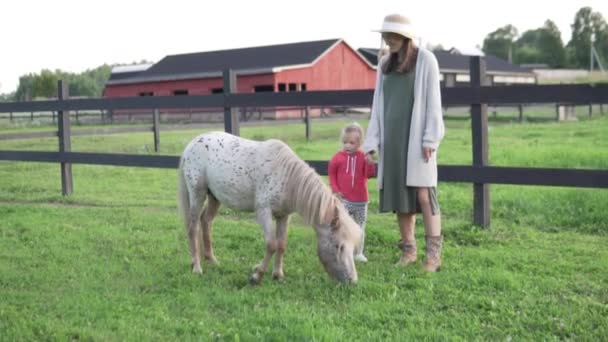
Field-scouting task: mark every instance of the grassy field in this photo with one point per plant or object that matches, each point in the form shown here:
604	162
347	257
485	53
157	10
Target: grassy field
111	261
595	77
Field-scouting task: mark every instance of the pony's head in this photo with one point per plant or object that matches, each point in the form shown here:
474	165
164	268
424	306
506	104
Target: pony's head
337	237
337	233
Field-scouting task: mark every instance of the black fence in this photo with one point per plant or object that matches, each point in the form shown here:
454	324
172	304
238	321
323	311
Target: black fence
477	96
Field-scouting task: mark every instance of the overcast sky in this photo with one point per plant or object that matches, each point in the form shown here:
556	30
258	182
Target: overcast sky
78	35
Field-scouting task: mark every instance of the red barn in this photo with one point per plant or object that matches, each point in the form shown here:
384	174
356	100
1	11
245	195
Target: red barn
318	65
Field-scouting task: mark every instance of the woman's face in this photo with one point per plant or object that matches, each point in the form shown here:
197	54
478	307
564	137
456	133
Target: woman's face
394	41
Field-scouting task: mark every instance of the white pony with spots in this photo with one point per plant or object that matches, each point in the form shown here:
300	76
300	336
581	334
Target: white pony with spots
268	178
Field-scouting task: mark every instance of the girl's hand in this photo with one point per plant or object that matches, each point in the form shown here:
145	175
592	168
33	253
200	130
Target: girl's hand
427	153
339	195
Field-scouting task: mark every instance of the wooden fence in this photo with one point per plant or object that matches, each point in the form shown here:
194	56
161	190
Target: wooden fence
477	96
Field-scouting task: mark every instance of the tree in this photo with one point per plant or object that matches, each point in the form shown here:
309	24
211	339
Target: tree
542	45
527	49
45	84
551	45
25	88
80	85
585	23
500	42
433	47
7	97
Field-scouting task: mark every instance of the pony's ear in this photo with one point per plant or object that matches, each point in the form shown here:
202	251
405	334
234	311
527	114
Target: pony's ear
335	221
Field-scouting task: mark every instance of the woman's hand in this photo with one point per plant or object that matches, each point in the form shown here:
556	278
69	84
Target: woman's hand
369	158
427	153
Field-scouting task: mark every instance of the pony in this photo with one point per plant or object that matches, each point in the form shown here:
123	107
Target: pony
268	178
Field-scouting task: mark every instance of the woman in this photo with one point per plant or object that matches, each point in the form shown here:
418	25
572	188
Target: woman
406	127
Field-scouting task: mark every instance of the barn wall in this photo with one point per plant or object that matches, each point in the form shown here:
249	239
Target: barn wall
339	69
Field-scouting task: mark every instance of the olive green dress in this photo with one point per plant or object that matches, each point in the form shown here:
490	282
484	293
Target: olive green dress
395	195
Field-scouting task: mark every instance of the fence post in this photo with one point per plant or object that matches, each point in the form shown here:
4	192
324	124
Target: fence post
156	129
65	145
231	116
590	109
479	131
10	116
307	122
520	108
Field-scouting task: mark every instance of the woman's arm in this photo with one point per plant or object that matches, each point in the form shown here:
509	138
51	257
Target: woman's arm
372	137
434	128
370	169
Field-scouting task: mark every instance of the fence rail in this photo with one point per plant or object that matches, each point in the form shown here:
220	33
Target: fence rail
477	96
517	94
582	178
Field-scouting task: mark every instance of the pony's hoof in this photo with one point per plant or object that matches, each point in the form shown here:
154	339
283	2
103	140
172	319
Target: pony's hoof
278	276
212	260
255	279
197	270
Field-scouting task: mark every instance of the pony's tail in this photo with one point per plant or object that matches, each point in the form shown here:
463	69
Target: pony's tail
183	199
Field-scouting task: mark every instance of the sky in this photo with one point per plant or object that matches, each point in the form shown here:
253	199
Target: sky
77	35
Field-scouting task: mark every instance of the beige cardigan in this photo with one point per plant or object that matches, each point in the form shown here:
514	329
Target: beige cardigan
426	128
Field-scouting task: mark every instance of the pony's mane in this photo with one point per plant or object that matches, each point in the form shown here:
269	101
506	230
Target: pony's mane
305	190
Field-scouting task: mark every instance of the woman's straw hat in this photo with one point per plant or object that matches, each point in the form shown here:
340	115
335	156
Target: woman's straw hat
397	23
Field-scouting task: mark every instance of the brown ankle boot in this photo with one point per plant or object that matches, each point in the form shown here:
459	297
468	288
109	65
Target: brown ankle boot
432	261
409	253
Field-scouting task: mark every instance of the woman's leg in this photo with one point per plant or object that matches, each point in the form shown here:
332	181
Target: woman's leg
432	229
407	223
432	223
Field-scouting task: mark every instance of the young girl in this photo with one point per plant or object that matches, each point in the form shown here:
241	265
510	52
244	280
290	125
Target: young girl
348	174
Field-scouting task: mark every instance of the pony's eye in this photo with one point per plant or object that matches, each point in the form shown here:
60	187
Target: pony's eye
341	248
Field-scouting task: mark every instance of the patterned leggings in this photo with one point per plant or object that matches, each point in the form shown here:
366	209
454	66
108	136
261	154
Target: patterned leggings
358	211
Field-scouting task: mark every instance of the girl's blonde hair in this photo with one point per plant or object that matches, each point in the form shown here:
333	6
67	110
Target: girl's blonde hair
352	127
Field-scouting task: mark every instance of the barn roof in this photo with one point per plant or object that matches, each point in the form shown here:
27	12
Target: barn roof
250	60
458	63
121	72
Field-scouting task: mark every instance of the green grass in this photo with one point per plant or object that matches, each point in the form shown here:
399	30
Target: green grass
111	262
595	77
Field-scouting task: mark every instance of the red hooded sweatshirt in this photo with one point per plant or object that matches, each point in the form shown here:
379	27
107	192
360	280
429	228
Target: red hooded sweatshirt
348	174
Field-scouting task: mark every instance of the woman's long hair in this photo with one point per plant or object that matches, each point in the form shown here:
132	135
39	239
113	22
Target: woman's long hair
409	51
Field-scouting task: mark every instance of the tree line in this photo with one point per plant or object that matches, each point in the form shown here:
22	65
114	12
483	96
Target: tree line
544	44
89	83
